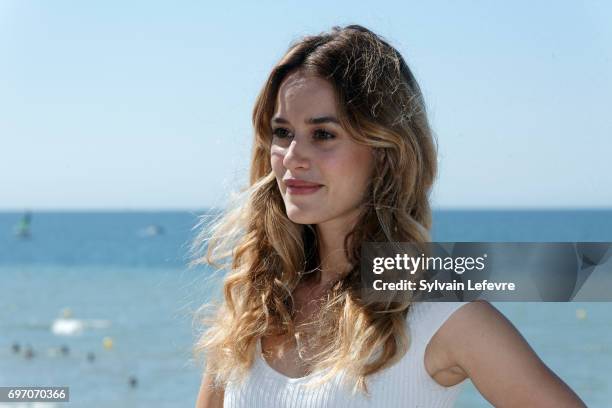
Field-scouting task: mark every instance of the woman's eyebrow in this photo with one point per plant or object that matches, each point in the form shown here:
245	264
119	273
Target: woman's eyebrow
311	121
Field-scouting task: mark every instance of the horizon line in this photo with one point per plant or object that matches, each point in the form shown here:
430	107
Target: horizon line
213	208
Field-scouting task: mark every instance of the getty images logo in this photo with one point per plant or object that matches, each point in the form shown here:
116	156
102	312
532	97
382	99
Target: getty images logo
412	264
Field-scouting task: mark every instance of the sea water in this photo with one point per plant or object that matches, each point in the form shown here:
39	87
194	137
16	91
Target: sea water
104	303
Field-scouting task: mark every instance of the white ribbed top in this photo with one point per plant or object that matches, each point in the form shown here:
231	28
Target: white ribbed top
405	384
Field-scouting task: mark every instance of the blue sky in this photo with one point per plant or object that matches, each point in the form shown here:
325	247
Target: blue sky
147	105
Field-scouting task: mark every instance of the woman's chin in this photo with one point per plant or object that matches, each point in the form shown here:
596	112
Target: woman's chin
301	216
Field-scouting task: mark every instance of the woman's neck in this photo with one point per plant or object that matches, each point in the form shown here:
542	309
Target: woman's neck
331	235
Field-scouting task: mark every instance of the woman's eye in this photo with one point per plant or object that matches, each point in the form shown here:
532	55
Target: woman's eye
321	134
281	133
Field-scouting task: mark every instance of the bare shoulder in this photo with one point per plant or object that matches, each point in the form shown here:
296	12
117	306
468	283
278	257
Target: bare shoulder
479	342
471	318
475	319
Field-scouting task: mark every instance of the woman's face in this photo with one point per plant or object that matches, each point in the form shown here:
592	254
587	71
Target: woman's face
322	173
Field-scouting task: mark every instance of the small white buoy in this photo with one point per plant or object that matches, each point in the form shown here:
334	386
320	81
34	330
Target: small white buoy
581	314
67	327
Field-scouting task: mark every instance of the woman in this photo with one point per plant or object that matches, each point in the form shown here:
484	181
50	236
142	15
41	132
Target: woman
343	154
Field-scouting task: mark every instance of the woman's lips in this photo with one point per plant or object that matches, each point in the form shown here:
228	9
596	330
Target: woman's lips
300	190
300	187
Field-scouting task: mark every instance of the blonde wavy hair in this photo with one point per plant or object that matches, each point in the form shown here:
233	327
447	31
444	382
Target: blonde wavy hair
266	255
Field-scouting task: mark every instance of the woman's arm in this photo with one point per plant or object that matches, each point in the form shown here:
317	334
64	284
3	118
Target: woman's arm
481	342
209	396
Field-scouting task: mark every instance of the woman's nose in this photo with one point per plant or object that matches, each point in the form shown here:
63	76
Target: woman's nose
296	155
